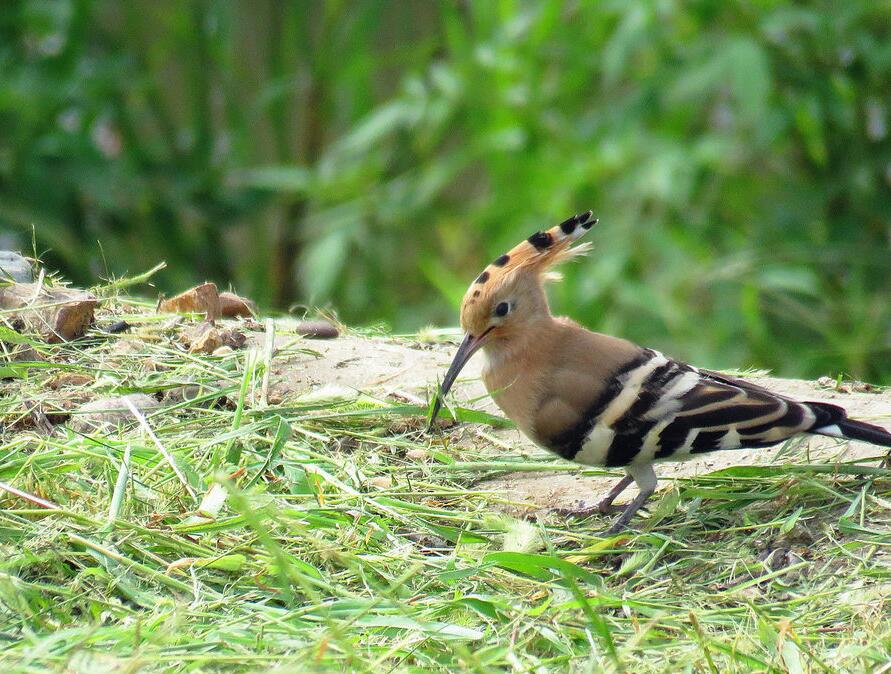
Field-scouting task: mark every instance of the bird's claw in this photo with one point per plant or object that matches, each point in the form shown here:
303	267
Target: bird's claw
618	527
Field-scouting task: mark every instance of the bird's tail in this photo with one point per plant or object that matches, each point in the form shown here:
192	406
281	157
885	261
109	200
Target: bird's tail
833	421
859	430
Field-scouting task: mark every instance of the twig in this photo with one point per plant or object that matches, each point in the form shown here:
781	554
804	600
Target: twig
36	500
38	417
267	361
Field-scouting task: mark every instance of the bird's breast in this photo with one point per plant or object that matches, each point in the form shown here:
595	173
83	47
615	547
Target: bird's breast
514	390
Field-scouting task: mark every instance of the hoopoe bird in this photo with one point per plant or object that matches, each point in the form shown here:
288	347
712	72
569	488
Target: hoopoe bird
599	400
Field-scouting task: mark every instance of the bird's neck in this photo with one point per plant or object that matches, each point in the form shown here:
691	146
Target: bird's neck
515	367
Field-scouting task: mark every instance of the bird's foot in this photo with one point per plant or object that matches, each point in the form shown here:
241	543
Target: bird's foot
628	512
617	527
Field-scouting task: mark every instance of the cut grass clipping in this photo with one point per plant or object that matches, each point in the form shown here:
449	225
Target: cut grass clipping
221	531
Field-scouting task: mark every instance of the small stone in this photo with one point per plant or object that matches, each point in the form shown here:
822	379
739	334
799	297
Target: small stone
208	338
180	394
56	313
208	300
308	329
382	482
204	395
15	267
232	338
224	350
233	306
127	347
111	412
203	299
316	330
202	338
118	327
152	365
66	379
417	454
24	352
863	387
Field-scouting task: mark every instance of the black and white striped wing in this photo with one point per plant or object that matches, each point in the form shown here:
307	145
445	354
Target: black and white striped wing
656	408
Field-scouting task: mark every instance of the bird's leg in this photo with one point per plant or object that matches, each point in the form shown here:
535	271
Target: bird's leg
603	506
646	480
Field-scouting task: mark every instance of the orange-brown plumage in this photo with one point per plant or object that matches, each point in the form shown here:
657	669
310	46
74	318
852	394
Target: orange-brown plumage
600	400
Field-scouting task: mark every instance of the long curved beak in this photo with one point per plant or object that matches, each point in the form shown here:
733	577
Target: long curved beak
468	347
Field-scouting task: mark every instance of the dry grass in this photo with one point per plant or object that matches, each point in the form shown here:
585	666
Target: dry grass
307	535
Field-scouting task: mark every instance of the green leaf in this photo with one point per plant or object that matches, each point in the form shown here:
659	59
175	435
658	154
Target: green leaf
10	336
432	628
295	179
540	567
323	260
749	74
790	522
16	371
233	562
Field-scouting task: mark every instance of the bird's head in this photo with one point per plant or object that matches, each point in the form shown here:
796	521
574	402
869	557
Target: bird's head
507	297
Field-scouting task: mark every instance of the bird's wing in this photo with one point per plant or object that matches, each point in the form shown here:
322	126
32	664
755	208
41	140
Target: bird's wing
721	412
657	408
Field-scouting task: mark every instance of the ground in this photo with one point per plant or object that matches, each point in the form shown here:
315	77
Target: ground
301	518
409	369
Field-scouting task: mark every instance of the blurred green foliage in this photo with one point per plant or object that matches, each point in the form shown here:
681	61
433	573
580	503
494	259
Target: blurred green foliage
374	155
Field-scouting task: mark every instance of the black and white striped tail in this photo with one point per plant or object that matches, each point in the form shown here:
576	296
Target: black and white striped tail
851	429
655	408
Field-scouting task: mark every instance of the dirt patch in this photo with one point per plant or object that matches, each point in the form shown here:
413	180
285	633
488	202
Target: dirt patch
376	366
386	367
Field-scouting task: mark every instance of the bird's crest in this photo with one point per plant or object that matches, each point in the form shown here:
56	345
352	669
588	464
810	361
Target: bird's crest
537	254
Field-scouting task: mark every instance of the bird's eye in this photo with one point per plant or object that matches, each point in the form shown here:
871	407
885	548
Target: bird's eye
502	309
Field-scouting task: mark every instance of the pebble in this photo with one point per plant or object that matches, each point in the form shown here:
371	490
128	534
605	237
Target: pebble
15	266
111	411
69	379
382	482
